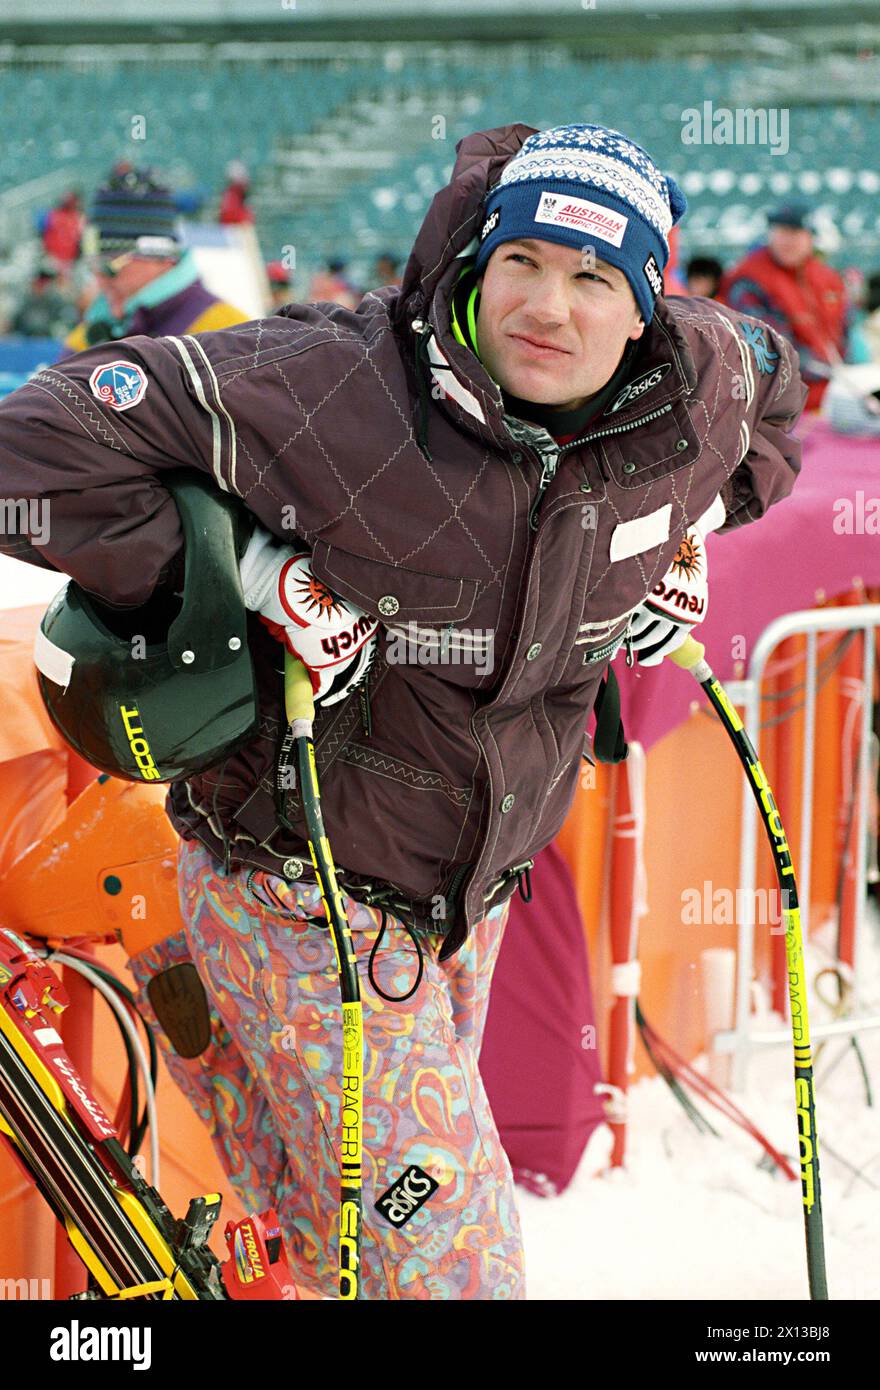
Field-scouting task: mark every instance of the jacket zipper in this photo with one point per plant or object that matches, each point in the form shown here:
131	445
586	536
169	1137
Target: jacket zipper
608	650
451	894
548	471
549	461
456	880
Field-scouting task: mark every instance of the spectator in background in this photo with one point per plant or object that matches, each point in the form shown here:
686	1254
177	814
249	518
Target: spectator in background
233	203
870	325
44	312
61	231
704	276
672	281
280	284
858	350
386	270
148	282
330	286
787	285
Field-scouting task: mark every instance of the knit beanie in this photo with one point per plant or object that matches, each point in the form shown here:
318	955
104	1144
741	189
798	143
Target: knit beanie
133	213
588	186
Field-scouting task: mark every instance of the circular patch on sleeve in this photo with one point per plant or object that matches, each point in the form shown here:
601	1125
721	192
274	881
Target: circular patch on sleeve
119	385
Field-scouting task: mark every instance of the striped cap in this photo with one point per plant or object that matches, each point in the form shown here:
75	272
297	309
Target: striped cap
134	213
588	185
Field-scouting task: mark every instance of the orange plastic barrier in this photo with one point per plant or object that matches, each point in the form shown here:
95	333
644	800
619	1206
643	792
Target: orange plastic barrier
55	864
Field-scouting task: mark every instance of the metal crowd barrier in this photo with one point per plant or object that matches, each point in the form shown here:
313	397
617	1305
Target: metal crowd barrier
745	1036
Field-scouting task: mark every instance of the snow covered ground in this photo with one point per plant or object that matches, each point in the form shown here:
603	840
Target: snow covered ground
694	1217
691	1216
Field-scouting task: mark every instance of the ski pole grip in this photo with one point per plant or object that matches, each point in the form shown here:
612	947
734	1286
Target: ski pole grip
688	654
299	701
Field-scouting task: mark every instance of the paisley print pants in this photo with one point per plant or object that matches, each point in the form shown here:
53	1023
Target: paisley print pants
267	1086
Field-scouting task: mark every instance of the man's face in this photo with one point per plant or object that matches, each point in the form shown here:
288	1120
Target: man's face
386	272
132	274
553	322
705	285
790	247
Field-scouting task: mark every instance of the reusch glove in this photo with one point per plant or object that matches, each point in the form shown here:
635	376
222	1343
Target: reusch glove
335	641
680	601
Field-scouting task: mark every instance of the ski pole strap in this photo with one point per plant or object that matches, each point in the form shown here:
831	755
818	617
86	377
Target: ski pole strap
609	740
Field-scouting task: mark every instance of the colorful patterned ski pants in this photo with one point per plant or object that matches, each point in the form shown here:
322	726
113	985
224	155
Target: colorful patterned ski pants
267	1086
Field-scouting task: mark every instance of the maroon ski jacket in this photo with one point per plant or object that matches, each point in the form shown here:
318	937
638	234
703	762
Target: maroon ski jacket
503	567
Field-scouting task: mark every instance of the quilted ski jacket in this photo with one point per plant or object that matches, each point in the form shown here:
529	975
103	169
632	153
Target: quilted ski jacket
502	566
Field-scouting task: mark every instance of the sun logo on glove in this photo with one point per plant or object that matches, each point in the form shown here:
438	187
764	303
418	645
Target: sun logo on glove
687	558
315	595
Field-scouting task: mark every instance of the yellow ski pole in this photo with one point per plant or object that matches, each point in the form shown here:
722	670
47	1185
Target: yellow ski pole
300	711
691	657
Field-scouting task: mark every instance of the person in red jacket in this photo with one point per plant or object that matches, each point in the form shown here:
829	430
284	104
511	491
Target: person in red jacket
63	229
233	204
788	286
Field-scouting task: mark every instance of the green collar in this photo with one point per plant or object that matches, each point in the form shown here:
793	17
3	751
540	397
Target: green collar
165	286
464	307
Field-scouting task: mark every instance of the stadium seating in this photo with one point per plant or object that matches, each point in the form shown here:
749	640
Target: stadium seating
346	154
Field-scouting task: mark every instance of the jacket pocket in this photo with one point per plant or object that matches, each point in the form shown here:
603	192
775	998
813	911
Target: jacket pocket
656	450
396	821
393	592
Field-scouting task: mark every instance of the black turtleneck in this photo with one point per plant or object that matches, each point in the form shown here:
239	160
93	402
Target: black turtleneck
567	424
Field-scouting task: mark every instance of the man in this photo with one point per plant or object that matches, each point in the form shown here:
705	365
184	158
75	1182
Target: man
785	284
331	285
870	323
496	463
386	270
704	276
62	230
280	279
148	282
43	312
234	210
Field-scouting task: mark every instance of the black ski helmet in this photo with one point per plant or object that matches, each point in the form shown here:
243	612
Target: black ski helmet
162	691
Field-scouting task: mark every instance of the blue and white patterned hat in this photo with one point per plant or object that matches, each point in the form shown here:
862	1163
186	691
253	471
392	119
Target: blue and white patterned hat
588	185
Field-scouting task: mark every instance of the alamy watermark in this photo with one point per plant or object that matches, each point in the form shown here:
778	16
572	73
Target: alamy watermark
30	1289
82	1343
725	907
453	646
856	516
744	125
25	516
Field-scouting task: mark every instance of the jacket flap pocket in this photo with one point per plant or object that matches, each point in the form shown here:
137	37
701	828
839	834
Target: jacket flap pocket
393	592
648	454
